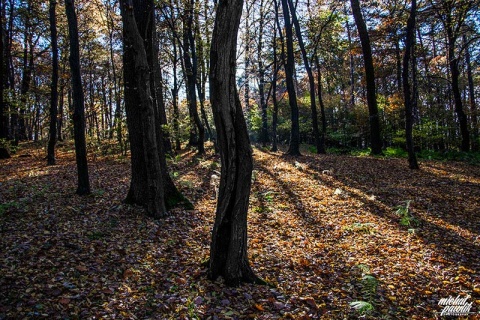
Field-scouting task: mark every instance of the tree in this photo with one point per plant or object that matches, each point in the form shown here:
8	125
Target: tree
83	186
311	80
54	86
453	14
191	70
375	131
294	146
146	186
228	251
409	94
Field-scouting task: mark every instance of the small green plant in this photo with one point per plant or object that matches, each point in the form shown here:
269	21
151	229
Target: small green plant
269	196
406	219
363	307
4	207
368	291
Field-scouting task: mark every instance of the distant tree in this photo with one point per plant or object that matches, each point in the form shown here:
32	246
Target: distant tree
471	95
3	77
409	93
311	80
375	131
453	14
228	251
294	146
54	85
78	101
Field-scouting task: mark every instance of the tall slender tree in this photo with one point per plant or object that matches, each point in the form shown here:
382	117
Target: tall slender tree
54	85
410	97
83	186
228	251
375	131
294	146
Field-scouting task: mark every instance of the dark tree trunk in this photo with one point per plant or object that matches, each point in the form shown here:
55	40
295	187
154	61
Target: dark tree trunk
176	113
78	101
54	85
139	74
408	93
471	96
311	80
264	137
228	253
294	146
375	131
3	77
274	88
322	106
190	62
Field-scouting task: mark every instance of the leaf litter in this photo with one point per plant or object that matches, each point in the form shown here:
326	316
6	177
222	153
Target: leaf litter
316	224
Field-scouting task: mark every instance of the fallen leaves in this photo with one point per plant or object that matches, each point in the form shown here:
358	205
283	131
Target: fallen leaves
312	221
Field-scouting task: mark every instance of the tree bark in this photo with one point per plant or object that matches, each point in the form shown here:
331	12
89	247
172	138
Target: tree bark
375	131
54	85
471	97
136	47
228	251
294	146
190	62
3	77
408	93
311	80
83	186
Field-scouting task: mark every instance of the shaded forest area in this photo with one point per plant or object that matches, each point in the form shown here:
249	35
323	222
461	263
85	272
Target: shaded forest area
270	159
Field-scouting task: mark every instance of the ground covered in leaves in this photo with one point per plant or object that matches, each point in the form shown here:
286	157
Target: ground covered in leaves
324	231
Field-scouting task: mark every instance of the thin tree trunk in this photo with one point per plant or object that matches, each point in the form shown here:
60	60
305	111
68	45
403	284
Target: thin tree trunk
408	93
78	101
311	80
190	61
375	131
294	146
3	77
322	105
228	251
471	96
54	85
274	87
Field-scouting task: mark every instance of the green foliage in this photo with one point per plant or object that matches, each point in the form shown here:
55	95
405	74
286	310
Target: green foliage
4	143
406	219
392	152
4	207
362	307
368	291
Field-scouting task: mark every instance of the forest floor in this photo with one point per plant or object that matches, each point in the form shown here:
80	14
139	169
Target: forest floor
323	231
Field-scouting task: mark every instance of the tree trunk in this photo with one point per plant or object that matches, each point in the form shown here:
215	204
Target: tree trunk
190	61
138	74
408	93
54	85
311	80
471	97
274	87
264	137
228	252
375	131
322	106
176	113
294	146
78	101
3	77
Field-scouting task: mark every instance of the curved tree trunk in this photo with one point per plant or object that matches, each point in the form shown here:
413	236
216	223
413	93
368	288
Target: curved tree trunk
54	86
375	131
408	93
228	252
78	102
